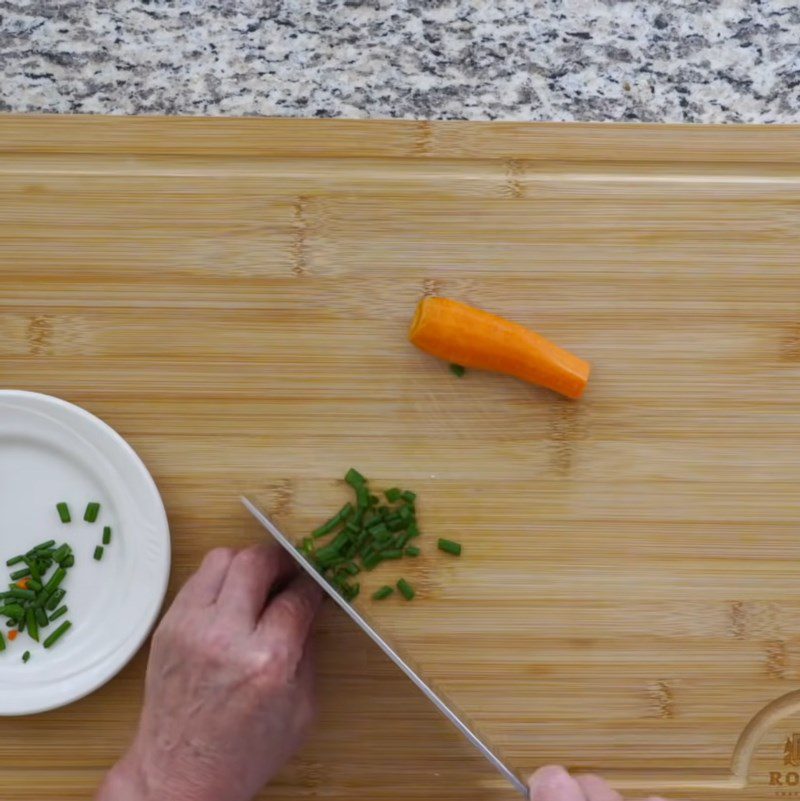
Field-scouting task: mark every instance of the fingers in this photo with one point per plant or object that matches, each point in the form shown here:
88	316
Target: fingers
203	586
291	613
553	783
595	789
251	577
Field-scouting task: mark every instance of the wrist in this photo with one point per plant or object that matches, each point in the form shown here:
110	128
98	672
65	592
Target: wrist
130	780
125	782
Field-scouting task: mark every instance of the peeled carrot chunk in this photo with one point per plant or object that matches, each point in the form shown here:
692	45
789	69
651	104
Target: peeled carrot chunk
464	335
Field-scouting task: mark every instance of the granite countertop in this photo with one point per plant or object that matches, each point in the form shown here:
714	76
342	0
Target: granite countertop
647	60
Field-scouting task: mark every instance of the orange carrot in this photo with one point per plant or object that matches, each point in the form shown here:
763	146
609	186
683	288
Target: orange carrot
473	338
23	583
12	635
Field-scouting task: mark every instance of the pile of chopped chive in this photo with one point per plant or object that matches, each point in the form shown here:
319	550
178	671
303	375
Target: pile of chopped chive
363	534
34	598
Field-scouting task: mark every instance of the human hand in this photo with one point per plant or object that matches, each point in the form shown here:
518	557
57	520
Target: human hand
228	694
553	783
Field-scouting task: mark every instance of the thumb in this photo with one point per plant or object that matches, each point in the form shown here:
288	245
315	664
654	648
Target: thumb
553	783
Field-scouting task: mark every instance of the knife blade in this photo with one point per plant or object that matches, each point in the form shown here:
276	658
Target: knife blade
365	626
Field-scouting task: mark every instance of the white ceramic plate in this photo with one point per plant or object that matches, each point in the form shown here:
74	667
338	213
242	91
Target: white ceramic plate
52	451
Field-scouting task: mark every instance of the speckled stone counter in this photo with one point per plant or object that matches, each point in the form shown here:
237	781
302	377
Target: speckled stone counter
687	60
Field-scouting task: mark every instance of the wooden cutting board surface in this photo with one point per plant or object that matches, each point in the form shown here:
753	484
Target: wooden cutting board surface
233	297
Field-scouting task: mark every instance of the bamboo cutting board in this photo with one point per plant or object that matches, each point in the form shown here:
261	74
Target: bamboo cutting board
233	297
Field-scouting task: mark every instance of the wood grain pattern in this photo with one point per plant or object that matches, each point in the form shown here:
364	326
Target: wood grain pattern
233	297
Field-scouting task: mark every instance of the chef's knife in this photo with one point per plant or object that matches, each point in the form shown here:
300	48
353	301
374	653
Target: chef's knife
353	614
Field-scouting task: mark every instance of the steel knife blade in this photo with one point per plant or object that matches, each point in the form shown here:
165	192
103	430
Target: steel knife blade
412	674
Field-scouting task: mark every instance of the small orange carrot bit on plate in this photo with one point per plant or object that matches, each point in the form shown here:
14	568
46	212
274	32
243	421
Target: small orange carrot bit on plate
464	335
12	635
23	584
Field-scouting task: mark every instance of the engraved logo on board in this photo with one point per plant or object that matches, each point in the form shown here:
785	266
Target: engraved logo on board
791	751
788	778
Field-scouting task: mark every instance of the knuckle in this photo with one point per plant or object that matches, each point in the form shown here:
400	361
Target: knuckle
185	642
278	657
274	666
592	780
221	556
247	559
295	606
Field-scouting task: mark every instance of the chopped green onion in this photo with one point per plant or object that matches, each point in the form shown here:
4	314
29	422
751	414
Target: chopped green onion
98	553
406	590
20	574
34	568
15	560
12	610
61	553
33	625
67	561
63	512
458	370
55	581
42	547
362	501
379	530
57	634
392	553
62	610
55	599
409	496
324	529
26	656
359	484
41	617
17	592
333	549
33	584
393	495
107	535
448	546
383	592
400	540
354	478
92	510
371	562
411	550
